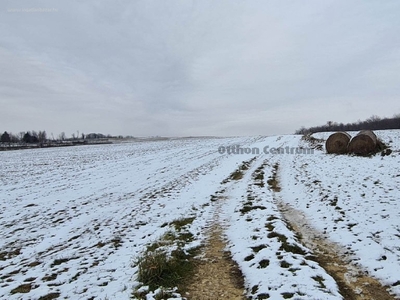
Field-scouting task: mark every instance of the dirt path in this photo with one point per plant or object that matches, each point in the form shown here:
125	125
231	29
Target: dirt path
217	277
353	283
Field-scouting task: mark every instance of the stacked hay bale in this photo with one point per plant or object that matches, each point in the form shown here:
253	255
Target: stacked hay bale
337	143
364	143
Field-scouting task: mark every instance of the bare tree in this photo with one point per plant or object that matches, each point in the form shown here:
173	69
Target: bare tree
62	136
14	138
373	118
35	134
21	135
42	136
372	123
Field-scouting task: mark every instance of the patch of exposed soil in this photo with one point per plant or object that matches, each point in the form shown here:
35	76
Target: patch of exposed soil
217	275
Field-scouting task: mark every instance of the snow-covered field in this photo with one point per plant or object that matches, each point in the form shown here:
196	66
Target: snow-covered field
73	220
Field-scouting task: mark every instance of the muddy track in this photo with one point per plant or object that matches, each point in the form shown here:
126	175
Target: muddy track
217	276
354	284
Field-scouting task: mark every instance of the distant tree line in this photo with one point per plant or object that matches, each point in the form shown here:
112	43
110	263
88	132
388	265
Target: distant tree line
41	137
372	123
24	137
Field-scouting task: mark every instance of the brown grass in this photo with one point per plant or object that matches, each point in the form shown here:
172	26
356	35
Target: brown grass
23	288
217	276
273	180
50	296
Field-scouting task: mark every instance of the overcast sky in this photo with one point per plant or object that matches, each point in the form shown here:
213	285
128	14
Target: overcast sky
206	67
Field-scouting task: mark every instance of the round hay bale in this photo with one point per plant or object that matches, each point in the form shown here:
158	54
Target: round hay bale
337	142
363	143
368	132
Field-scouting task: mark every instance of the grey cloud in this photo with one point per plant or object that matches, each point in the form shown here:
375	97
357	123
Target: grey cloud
197	67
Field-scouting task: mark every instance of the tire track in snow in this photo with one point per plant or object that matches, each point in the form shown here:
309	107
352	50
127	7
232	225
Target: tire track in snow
354	284
275	265
218	276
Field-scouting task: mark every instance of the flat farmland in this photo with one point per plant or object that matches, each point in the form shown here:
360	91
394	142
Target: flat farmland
75	220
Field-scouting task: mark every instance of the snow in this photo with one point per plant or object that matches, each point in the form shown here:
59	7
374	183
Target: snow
73	220
355	200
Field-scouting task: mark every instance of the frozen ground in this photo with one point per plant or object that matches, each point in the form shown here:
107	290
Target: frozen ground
73	220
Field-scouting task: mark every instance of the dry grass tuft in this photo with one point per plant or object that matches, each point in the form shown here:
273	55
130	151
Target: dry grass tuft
23	288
